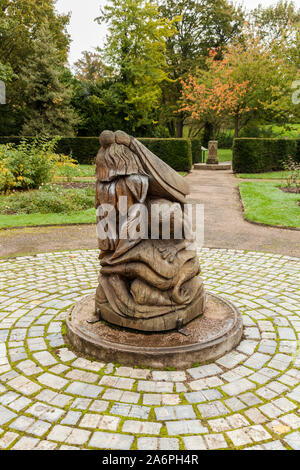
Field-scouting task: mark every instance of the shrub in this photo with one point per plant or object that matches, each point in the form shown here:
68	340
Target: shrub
30	164
175	152
251	155
48	199
293	177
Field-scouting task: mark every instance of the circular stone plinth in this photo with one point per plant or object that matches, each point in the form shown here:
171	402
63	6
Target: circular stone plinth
210	336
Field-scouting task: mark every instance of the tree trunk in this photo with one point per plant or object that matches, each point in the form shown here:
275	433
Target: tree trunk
179	127
214	132
236	126
208	131
171	128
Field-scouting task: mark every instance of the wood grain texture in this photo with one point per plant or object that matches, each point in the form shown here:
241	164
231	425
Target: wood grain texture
147	282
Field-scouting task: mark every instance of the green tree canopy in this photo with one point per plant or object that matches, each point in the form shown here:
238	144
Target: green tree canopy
204	24
48	98
136	49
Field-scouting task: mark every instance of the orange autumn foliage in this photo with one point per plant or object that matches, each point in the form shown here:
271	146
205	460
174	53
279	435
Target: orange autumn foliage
216	94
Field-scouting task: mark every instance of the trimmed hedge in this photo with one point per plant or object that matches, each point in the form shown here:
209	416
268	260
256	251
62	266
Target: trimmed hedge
175	152
196	150
251	155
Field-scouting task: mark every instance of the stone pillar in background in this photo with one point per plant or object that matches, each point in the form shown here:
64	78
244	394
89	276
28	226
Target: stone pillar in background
212	158
2	92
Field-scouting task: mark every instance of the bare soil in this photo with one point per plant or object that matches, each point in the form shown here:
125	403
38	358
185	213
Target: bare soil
290	190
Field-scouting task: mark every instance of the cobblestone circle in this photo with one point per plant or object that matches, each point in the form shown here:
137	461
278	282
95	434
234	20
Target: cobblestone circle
51	398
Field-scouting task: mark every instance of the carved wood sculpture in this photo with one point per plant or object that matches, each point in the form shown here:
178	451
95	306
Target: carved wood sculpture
146	282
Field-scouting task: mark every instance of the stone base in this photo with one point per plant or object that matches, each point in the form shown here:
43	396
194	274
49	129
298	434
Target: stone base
212	166
210	336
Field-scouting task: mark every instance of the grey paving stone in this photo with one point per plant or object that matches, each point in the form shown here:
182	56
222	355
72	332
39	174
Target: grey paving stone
7	439
215	441
139	427
204	371
130	411
46	445
45	358
239	437
250	399
169	376
286	333
270	410
291	420
209	410
256	416
99	406
6	415
237	387
234	404
20	404
39	428
119	395
167	413
231	359
274	445
257	433
81	403
118	382
295	394
284	404
8	397
45	412
185	427
202	384
52	381
195	397
257	360
133	372
154	443
105	423
82	376
79	388
71	418
155	387
24	385
194	443
293	440
69	435
22	423
104	440
26	443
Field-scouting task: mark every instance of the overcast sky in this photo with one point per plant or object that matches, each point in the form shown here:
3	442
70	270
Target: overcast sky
86	34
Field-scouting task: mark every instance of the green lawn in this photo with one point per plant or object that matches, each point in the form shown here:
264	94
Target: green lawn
224	155
268	176
81	171
266	203
50	205
30	220
87	170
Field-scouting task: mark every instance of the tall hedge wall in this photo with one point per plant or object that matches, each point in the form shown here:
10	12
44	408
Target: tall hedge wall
251	155
196	150
175	152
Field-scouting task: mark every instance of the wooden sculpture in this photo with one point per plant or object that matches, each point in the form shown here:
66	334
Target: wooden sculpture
148	281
